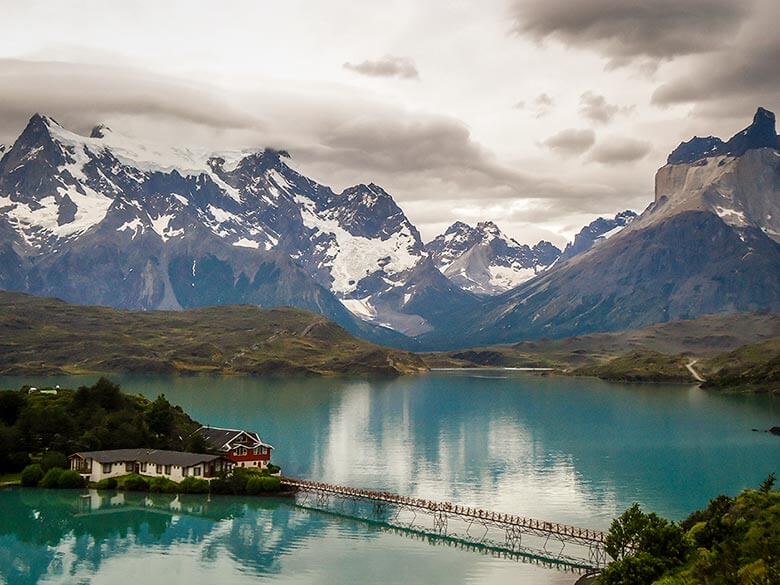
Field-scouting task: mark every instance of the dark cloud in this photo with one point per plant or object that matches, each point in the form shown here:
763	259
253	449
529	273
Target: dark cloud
571	141
79	95
625	29
595	107
619	150
752	71
387	66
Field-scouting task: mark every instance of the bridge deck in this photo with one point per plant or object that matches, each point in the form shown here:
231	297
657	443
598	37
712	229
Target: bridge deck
508	520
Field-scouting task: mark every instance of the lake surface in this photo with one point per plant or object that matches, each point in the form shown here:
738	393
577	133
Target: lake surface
577	451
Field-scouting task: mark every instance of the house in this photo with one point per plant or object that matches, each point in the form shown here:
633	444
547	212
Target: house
174	465
244	448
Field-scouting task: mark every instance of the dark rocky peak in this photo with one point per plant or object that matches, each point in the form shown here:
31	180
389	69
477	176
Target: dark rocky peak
598	228
370	211
100	131
488	228
545	252
458	227
760	134
26	169
261	161
695	149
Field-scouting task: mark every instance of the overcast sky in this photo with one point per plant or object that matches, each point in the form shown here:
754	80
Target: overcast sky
537	114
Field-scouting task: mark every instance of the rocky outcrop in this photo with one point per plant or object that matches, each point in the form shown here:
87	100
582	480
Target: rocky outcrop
485	261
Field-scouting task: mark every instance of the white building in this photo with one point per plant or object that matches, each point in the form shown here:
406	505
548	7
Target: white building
174	465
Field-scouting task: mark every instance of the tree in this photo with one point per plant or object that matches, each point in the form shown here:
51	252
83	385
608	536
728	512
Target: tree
625	532
54	459
31	475
197	444
767	485
160	416
644	546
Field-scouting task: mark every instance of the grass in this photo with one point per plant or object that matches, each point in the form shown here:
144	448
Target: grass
7	479
47	336
753	367
738	351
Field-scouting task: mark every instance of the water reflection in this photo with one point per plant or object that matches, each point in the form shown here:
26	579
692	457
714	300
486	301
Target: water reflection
90	537
571	450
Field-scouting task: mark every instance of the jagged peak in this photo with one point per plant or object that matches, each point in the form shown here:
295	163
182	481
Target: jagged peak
759	134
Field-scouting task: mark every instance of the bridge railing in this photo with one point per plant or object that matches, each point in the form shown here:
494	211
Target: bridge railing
575	532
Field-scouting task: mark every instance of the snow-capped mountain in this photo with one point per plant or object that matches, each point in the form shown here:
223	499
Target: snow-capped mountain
485	261
708	243
107	220
597	231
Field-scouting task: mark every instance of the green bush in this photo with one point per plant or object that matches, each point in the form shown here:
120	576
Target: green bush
109	483
53	459
135	483
70	479
52	478
194	485
273	468
254	485
262	484
222	486
272	484
163	485
32	475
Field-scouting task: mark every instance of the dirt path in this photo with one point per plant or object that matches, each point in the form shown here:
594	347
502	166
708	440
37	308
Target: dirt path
693	372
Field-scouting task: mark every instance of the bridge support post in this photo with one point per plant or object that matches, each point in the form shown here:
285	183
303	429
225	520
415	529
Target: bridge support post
440	522
322	499
380	508
514	538
597	555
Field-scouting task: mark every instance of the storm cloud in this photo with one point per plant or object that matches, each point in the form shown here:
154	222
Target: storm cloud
83	94
626	29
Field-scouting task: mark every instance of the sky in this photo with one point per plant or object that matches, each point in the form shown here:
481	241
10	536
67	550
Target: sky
539	115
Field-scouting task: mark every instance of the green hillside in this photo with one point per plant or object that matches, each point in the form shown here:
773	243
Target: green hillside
48	336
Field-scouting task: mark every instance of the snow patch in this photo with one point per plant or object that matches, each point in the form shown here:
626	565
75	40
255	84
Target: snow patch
506	277
161	225
246	243
351	258
361	308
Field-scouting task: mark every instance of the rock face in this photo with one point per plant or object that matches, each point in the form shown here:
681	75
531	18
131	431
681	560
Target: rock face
597	231
707	244
484	261
760	134
106	220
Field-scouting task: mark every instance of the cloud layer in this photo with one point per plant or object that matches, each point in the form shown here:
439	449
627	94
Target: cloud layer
626	29
387	66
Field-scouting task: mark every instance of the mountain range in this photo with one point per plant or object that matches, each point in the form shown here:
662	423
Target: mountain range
107	220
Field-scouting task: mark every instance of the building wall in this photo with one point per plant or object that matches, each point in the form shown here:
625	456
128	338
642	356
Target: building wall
177	472
251	459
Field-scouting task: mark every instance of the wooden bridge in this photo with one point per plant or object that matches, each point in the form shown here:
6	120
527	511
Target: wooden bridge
495	531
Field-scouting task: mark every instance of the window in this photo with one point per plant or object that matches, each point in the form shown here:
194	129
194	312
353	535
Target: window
143	467
128	466
185	471
241	451
159	469
106	468
196	471
257	450
167	470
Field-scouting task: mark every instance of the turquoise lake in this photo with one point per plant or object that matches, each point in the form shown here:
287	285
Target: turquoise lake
568	450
